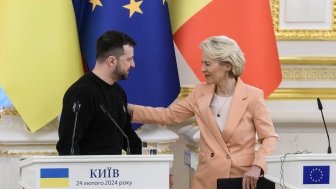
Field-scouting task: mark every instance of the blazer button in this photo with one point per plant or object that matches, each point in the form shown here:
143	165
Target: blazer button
212	154
227	156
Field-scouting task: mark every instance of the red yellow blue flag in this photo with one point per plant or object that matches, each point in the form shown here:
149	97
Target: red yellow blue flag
249	22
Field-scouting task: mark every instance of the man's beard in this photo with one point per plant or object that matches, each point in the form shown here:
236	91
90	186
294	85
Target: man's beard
119	74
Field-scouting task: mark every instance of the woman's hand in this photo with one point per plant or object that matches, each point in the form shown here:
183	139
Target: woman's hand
130	109
251	177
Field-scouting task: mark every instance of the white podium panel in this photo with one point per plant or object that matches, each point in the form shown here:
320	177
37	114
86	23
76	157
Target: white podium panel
301	171
113	172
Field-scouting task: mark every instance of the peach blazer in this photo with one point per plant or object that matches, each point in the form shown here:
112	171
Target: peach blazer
225	155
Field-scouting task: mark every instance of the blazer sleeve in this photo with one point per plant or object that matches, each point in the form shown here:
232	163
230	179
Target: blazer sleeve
265	131
175	113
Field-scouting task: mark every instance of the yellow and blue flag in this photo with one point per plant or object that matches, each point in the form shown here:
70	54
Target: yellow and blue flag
316	174
154	81
4	101
39	57
54	177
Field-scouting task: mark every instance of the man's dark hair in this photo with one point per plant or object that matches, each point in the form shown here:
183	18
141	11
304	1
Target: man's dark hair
112	43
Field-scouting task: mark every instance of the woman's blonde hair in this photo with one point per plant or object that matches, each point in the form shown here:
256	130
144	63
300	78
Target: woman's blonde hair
225	50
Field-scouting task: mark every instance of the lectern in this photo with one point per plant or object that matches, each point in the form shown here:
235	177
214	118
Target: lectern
300	171
113	172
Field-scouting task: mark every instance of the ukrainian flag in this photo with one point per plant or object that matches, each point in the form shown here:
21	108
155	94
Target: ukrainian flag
54	177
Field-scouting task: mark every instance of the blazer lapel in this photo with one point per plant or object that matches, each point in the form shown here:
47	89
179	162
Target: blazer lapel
237	109
208	117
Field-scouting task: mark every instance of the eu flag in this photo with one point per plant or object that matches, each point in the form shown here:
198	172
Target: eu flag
316	174
154	81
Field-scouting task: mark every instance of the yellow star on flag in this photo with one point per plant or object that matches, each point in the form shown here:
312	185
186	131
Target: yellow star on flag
133	6
95	3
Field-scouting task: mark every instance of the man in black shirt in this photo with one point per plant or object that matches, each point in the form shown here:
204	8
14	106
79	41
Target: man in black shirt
84	127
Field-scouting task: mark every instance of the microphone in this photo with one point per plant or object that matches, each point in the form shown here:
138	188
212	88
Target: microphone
128	151
319	104
75	108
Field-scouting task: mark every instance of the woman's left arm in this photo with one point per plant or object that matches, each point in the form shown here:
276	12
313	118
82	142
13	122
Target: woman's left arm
265	131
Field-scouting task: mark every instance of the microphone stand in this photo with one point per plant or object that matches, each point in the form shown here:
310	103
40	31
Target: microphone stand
128	150
76	108
325	126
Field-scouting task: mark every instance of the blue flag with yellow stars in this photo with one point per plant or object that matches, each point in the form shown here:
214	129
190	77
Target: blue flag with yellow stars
316	174
154	81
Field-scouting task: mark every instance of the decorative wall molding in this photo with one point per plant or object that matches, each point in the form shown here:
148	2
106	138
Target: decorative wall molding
308	73
302	93
308	68
7	111
20	153
303	34
297	60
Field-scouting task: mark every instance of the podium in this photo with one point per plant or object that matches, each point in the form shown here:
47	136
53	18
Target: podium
113	172
300	171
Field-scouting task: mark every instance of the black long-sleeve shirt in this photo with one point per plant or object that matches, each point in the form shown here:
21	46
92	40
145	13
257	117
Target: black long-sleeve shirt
95	133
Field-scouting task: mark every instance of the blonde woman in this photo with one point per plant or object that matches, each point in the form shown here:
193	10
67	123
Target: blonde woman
229	114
